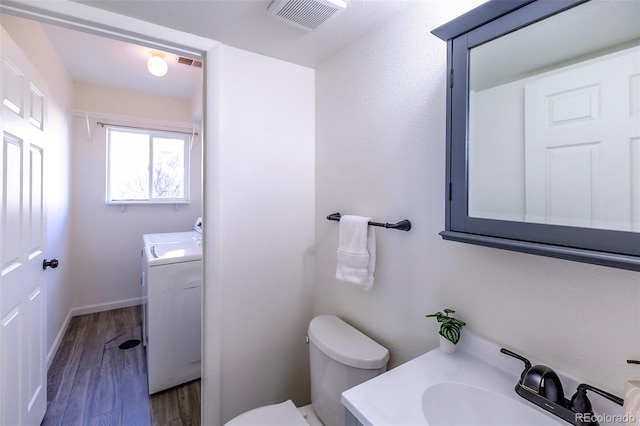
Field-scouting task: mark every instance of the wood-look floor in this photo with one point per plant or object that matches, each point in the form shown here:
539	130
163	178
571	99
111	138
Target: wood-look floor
92	381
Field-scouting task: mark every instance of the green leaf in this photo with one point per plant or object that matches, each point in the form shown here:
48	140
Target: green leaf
451	332
458	322
449	311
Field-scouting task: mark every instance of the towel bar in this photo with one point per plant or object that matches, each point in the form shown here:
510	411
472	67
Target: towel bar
403	225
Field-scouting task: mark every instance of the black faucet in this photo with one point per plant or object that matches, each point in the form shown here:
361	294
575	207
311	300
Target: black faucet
542	386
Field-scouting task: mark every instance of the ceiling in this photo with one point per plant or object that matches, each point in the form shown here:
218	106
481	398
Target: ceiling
109	62
244	24
587	31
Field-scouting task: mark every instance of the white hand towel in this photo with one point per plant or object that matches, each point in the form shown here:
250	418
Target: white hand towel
356	251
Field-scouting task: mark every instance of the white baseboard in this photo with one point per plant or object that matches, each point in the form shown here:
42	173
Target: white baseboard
101	307
58	340
84	310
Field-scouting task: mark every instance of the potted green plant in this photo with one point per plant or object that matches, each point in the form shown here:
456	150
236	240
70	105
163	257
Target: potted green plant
450	329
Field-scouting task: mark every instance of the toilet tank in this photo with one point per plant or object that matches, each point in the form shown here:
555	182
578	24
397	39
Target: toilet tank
340	358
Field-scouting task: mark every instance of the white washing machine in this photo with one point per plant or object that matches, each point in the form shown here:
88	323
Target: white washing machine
172	285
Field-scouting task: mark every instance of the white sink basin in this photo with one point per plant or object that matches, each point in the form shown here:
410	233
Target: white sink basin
446	404
474	386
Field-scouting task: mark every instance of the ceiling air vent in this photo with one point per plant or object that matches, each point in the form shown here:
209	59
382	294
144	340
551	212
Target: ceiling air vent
306	14
190	62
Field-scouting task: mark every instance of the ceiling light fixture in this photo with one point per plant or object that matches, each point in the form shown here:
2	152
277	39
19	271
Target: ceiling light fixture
157	66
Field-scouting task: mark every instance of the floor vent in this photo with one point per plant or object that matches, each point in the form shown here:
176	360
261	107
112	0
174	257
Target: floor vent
129	344
306	14
190	62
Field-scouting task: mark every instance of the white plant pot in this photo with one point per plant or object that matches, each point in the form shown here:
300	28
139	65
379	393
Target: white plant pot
446	346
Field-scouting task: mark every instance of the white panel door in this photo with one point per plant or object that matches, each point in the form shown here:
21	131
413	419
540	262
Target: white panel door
22	236
582	128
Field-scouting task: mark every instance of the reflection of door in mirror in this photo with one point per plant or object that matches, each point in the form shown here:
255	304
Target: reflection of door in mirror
582	125
554	121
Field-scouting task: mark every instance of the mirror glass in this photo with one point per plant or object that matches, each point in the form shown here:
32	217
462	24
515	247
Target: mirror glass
554	120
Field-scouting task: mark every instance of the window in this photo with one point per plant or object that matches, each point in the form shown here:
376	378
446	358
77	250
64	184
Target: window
147	166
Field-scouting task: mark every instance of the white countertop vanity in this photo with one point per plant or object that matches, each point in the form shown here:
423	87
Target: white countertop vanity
473	386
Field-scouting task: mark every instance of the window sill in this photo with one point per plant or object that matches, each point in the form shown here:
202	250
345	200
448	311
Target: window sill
151	203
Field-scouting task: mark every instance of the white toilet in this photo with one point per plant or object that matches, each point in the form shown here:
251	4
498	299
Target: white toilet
340	358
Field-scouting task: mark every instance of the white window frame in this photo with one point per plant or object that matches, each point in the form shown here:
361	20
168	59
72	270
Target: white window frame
151	133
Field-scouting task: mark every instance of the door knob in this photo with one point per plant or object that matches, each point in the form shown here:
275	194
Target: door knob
53	263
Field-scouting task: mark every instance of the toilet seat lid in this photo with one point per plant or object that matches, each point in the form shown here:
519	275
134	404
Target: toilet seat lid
345	344
283	414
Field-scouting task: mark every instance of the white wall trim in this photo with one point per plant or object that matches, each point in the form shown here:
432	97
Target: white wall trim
58	340
84	310
101	307
96	21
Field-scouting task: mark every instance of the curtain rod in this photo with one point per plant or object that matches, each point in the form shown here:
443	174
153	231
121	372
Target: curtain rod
101	124
153	123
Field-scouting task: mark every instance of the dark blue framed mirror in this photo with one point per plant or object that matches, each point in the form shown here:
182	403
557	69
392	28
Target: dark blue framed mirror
543	129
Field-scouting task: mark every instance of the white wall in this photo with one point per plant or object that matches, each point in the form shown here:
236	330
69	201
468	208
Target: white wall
212	241
260	190
380	152
32	40
106	240
497	187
